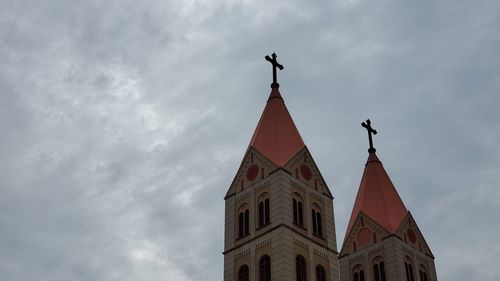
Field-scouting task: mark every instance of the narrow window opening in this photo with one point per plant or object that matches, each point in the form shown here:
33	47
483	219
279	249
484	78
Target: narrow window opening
301	218
247	223
318	223
320	273
243	273
376	272
265	268
240	225
266	211
300	265
295	217
313	215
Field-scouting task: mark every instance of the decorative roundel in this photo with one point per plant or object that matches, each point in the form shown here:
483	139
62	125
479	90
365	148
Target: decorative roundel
252	172
306	172
364	236
411	236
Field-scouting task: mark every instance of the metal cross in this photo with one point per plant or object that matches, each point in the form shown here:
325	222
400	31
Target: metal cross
370	130
275	64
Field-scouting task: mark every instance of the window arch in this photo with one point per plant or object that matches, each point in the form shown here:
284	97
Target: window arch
320	273
379	269
423	273
298	213
243	273
409	269
300	265
243	221
358	273
265	268
263	210
316	220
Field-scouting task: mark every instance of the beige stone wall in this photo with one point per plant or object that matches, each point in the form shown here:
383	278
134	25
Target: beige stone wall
393	250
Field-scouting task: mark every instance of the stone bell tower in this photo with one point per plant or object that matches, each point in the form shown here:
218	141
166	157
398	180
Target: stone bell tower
279	222
383	241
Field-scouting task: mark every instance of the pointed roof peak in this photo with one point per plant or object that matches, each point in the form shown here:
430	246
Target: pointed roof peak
377	198
275	93
276	135
372	158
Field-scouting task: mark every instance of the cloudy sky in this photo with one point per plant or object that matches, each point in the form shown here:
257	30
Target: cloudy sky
123	123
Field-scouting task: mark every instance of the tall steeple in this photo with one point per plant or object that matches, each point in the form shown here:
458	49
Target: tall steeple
382	241
279	222
276	136
377	198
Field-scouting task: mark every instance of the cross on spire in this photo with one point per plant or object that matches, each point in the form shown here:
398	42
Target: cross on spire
370	130
275	64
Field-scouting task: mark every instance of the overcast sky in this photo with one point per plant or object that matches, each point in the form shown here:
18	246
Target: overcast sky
123	123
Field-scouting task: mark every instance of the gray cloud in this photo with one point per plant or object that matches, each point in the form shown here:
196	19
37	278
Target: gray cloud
123	124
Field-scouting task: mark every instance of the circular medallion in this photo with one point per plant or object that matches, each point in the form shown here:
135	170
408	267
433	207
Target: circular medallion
252	172
306	172
364	236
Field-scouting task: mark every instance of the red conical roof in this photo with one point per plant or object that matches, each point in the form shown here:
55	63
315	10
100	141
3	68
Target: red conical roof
276	136
377	198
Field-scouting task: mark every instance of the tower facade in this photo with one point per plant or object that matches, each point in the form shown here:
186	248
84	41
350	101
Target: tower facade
383	242
279	221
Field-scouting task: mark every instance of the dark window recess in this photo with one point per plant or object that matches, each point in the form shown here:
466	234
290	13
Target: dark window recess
320	225
313	216
423	275
247	222
295	212
300	215
265	268
382	271
316	220
409	271
243	223
359	275
243	273
379	271
376	272
266	209
300	265
263	212
320	273
240	225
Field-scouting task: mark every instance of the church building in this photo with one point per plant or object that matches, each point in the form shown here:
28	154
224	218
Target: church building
279	221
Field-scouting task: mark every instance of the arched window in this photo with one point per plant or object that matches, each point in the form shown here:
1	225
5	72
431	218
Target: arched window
423	273
320	273
265	268
408	269
298	217
316	220
300	265
379	269
243	273
263	210
358	273
243	221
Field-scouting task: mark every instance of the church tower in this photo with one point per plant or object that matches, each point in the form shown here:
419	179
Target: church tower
382	241
279	222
